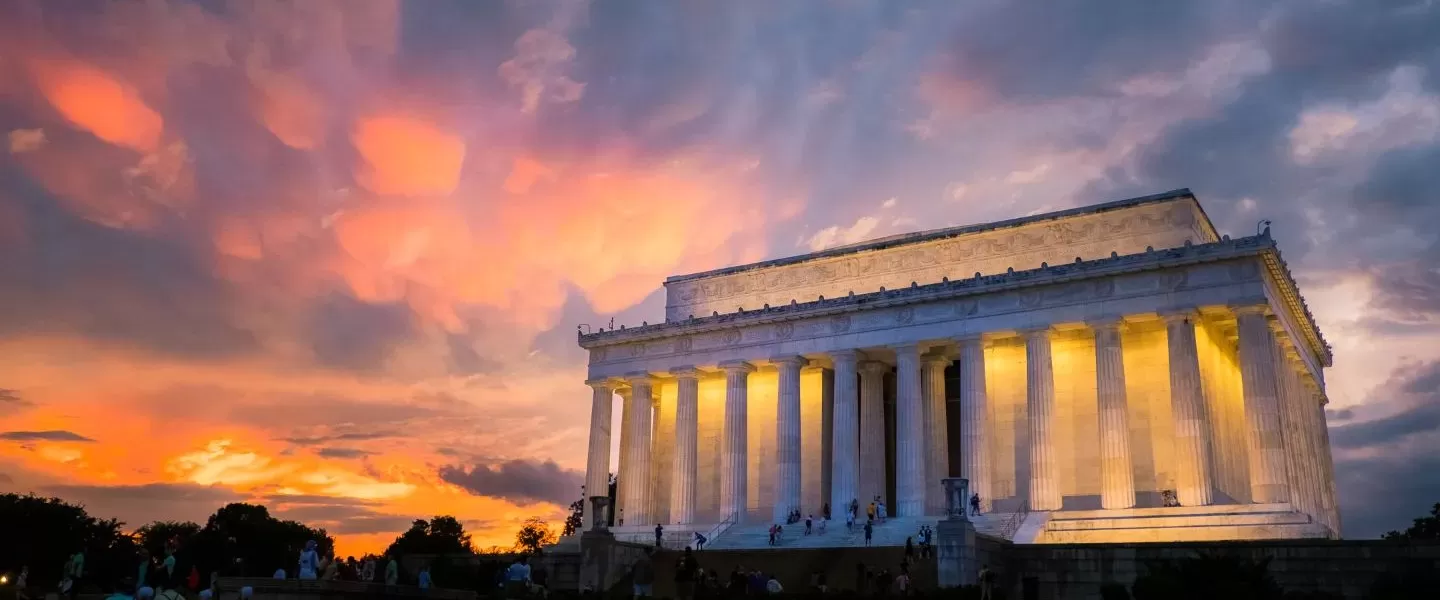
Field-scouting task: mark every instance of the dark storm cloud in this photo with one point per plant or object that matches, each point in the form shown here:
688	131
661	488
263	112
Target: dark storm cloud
351	334
140	504
354	436
1384	467
519	481
343	453
1042	50
12	398
76	277
53	435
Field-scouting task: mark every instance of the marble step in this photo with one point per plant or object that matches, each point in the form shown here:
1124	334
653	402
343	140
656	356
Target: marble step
1275	518
1201	533
1159	511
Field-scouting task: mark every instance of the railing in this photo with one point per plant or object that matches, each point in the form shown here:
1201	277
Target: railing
721	527
1015	520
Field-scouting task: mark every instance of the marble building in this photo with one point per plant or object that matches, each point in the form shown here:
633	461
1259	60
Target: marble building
1116	372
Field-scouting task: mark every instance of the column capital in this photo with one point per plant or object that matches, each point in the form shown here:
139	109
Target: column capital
601	383
969	338
792	359
740	366
936	355
906	347
849	355
1107	323
1039	332
873	367
1245	310
685	372
640	378
1176	315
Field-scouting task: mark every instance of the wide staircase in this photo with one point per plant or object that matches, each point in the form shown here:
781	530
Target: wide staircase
1218	522
841	568
891	532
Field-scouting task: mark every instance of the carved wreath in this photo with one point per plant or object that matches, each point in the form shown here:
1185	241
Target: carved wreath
905	315
730	337
784	331
840	323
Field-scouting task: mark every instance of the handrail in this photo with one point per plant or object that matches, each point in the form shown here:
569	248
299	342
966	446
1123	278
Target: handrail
1013	522
721	527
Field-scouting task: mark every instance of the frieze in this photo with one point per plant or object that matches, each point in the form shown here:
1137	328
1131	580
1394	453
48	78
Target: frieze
1139	274
929	261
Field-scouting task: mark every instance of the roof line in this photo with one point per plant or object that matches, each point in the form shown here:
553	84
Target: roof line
934	234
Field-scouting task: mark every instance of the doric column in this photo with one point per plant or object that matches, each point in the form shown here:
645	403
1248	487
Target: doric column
974	419
1040	406
687	423
787	436
1293	437
872	432
909	433
1262	407
597	458
1117	478
937	457
1192	423
640	407
845	438
624	476
734	488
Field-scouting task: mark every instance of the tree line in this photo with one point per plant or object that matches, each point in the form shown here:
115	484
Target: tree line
239	539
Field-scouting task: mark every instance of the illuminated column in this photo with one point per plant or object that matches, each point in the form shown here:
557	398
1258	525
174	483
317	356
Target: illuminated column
1262	408
910	448
641	410
1117	479
787	436
1040	406
1291	438
1192	423
974	419
687	423
733	484
845	439
872	433
623	475
937	458
597	459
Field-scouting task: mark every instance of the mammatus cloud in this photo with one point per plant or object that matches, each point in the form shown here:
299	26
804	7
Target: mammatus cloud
53	435
521	481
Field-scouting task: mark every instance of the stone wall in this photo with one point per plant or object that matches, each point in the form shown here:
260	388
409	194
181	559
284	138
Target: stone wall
1066	572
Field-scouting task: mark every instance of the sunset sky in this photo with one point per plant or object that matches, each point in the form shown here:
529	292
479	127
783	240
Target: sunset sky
331	256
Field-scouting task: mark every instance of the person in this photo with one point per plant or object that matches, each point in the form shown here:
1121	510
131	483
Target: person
685	575
849	520
870	513
772	533
367	572
737	581
122	590
659	534
699	541
909	547
825	511
642	576
817	582
21	581
392	572
192	580
280	573
883	581
975	504
987	582
247	592
861	577
423	580
309	561
517	577
808	520
212	592
902	583
168	591
332	569
142	577
869	531
822	526
883	514
772	586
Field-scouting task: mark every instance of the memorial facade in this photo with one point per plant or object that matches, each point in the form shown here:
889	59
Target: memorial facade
1119	371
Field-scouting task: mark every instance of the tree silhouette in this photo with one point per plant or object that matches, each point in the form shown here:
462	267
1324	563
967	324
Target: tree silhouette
52	530
534	534
155	536
576	520
440	535
1424	528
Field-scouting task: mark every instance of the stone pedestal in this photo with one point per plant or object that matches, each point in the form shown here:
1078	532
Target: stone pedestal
595	546
957	564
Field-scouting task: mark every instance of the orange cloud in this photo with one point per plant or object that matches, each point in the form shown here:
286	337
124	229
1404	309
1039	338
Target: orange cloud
405	156
99	103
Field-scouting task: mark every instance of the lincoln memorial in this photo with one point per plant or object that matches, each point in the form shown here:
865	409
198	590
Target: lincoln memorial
1112	373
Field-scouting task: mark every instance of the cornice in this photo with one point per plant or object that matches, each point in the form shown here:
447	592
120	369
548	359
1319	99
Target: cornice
1225	249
